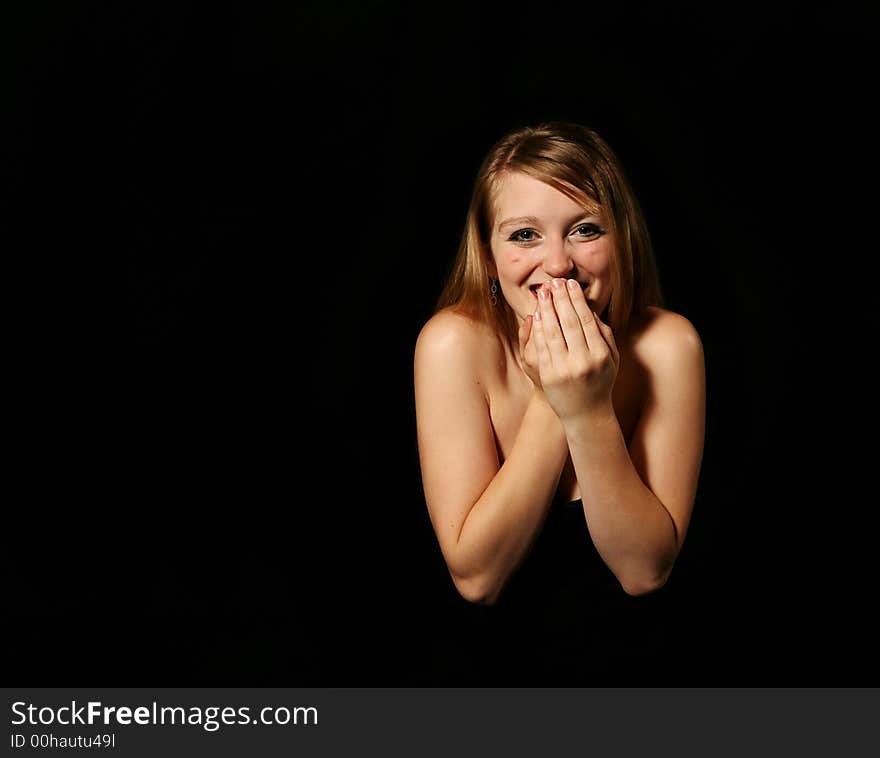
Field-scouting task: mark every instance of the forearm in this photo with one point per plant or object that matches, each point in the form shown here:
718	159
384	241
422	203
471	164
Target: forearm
501	527
630	527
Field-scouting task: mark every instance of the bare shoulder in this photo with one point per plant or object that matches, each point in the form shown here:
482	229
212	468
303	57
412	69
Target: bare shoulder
660	337
452	339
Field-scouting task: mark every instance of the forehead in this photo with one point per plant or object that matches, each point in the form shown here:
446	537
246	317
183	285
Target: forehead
519	194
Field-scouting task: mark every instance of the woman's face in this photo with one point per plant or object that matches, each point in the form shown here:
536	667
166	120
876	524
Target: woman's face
541	234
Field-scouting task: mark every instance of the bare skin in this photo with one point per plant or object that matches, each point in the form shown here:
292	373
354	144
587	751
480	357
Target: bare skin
574	414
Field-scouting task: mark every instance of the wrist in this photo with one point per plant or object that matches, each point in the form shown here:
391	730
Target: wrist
541	408
590	422
539	400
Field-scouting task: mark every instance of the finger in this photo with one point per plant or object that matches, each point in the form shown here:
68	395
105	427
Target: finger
569	320
545	362
525	329
609	338
586	317
550	328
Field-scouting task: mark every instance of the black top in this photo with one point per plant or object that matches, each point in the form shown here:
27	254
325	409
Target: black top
563	619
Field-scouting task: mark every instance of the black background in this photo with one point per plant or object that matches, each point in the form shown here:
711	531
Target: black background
215	470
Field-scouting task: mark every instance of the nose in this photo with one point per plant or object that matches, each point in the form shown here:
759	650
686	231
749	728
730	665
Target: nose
557	263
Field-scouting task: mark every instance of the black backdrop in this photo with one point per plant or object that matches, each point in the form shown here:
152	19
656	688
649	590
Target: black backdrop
219	473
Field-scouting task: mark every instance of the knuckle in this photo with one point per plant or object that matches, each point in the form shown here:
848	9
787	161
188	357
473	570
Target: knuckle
598	363
580	369
569	320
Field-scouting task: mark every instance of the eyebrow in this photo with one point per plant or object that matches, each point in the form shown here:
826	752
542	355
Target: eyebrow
535	220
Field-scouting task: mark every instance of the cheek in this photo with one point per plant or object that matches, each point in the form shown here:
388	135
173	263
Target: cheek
598	261
510	264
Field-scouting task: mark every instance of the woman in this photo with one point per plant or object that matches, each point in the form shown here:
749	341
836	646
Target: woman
560	409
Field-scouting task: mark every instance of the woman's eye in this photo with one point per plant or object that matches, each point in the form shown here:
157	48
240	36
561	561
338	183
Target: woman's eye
516	236
588	230
584	231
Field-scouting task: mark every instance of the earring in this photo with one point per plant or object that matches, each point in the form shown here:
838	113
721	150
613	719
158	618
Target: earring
493	292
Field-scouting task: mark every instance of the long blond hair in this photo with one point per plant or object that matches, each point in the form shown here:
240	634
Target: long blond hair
576	161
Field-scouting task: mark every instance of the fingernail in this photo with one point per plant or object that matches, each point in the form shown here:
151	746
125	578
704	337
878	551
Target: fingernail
538	314
557	283
573	285
544	293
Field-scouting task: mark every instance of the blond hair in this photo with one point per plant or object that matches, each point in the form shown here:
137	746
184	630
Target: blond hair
576	161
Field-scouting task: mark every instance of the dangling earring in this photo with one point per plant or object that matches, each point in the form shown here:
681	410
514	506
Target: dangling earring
493	292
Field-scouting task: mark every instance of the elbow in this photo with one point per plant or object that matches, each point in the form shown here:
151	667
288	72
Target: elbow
476	590
644	585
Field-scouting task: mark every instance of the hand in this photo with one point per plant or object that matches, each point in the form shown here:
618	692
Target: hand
528	352
578	357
